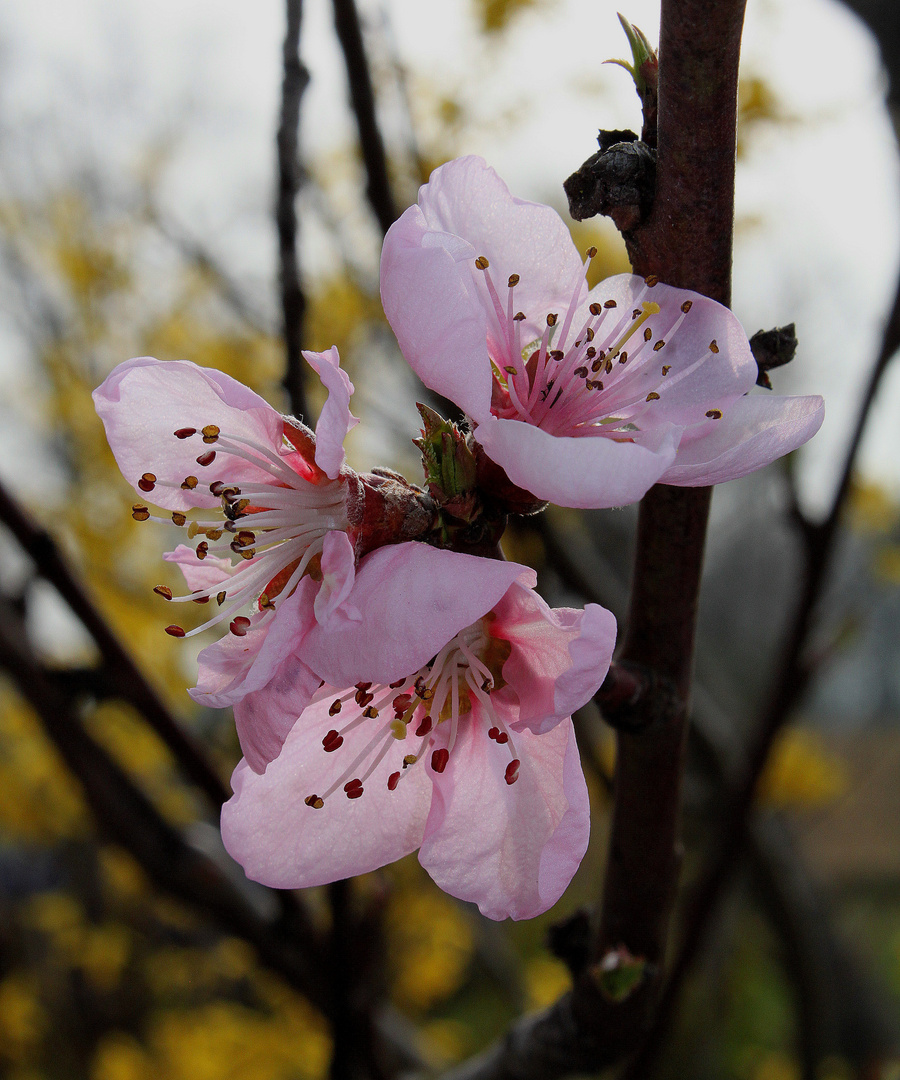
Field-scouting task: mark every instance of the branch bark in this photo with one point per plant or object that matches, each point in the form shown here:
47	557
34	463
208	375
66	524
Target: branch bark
788	685
293	302
686	241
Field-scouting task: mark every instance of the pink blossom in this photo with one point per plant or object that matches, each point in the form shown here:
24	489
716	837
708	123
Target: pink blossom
584	397
262	490
449	732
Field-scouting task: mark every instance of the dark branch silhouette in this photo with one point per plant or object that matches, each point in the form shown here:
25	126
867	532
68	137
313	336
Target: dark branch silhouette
293	302
362	97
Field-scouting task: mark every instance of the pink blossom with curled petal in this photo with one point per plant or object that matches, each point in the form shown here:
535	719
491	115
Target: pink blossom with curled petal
584	397
450	732
245	482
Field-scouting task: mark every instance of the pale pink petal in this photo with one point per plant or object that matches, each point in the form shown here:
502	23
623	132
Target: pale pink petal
235	666
560	656
200	573
282	842
265	717
433	308
144	401
754	432
509	848
437	300
416	598
467	198
338	575
335	419
588	471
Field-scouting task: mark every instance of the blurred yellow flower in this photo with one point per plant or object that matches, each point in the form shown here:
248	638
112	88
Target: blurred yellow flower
802	771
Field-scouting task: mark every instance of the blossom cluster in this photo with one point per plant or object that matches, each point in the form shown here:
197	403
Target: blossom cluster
391	693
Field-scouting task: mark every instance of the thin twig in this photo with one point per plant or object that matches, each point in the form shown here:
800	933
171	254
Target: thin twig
293	302
362	96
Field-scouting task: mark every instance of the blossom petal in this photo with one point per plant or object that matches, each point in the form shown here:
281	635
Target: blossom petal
338	575
282	842
510	848
588	471
418	598
559	658
335	419
435	312
144	401
200	573
754	432
435	298
265	717
467	198
235	666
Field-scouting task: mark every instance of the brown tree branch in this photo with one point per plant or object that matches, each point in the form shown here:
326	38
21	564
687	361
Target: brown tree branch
293	302
788	686
686	241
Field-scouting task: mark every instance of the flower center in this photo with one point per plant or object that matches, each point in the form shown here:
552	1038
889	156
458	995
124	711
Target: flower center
271	528
598	379
456	684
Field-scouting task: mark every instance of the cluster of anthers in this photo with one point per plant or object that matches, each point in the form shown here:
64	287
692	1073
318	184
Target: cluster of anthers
456	684
276	528
543	382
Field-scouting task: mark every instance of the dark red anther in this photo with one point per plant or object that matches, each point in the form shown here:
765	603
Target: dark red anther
439	759
200	599
207	459
502	737
332	741
240	626
425	726
393	781
185	432
164	591
217	487
363	698
147	482
353	788
512	771
401	703
175	631
335	707
493	732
